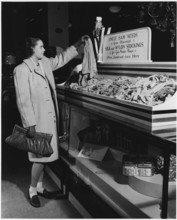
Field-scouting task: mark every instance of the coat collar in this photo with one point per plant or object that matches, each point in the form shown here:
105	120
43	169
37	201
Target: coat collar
32	68
29	63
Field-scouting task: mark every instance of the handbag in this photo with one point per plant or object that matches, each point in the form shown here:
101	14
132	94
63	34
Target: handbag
39	144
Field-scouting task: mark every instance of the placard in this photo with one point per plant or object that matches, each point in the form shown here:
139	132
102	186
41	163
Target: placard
93	151
128	46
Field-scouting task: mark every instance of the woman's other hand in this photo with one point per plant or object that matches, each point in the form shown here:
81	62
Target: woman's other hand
31	132
84	37
81	42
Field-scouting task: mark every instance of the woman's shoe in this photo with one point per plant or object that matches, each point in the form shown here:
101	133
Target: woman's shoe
52	195
34	201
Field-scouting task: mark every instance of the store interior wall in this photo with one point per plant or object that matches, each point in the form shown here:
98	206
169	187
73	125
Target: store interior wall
63	23
58	22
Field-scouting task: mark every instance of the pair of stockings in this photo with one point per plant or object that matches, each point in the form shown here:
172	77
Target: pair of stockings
89	67
89	62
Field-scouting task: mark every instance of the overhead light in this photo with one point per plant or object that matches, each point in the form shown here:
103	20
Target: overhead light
114	9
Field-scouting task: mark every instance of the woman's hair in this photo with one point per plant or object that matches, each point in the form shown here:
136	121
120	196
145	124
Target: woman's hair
30	43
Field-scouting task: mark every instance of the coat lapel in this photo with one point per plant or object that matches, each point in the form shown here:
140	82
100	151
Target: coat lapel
32	68
49	74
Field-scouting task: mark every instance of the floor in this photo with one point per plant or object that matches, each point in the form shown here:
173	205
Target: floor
15	181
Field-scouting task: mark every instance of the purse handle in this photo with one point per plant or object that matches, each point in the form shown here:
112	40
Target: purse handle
18	128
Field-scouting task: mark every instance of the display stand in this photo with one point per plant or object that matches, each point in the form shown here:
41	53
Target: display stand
152	127
100	106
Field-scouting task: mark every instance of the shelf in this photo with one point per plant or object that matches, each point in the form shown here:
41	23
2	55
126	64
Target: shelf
141	65
104	179
139	68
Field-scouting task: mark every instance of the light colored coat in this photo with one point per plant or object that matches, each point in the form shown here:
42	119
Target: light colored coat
37	99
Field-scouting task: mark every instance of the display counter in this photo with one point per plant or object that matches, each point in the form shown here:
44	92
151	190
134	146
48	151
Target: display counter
126	128
112	187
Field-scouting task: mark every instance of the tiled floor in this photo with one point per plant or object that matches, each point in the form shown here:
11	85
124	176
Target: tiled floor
14	203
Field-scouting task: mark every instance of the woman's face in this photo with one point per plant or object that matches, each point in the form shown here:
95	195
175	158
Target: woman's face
38	49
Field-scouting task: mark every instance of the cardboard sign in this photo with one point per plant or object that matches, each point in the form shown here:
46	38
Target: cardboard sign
128	46
93	152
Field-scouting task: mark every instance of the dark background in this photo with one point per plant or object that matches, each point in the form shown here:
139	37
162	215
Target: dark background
23	19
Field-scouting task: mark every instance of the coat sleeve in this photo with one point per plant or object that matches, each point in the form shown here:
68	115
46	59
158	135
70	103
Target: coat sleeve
63	58
23	97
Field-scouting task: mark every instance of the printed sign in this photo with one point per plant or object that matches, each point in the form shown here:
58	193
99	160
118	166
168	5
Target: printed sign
128	46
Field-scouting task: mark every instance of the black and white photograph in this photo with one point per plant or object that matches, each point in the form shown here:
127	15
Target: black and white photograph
88	109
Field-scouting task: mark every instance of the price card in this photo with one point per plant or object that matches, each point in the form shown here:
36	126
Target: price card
128	46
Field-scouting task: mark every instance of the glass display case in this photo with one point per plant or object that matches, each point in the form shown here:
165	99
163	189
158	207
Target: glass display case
124	152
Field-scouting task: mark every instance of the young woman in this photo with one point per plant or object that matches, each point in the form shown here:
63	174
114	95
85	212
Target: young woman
37	103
